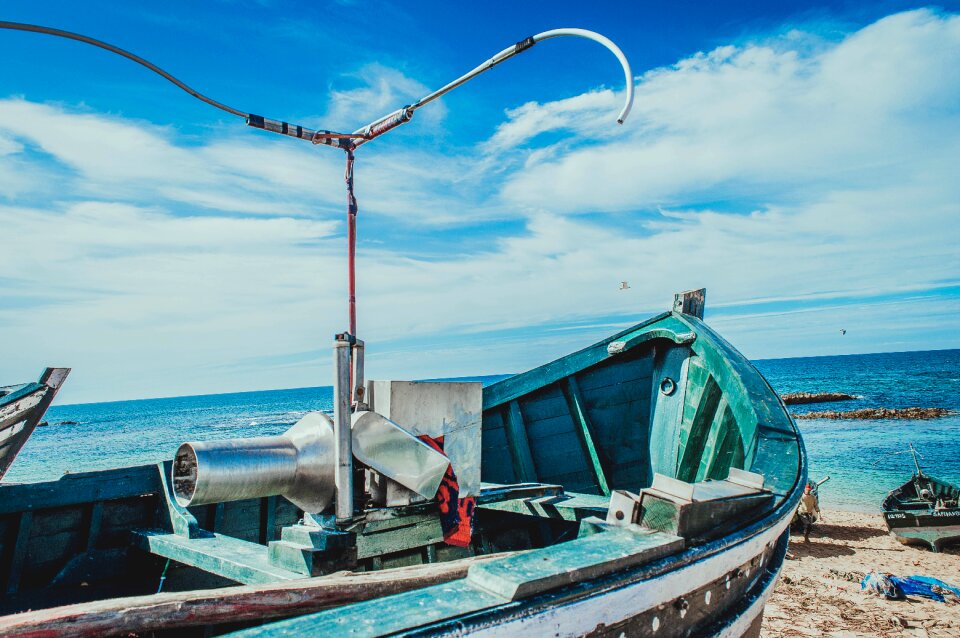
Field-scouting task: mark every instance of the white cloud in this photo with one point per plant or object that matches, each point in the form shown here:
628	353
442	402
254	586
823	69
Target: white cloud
382	90
788	171
766	118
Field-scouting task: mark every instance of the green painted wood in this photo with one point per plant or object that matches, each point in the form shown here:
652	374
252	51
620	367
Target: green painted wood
75	489
728	440
384	616
541	570
95	520
417	533
759	414
521	384
18	552
268	519
696	428
519	444
239	561
715	431
642	336
569	506
577	409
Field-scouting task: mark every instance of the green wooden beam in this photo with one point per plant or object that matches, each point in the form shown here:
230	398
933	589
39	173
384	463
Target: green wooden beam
697	429
516	431
93	526
74	489
578	412
540	570
18	552
722	421
232	558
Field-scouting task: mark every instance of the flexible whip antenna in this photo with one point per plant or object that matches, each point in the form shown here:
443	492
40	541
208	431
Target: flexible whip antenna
350	141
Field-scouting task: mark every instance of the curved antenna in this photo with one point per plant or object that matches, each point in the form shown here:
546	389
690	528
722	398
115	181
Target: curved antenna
317	137
403	115
18	26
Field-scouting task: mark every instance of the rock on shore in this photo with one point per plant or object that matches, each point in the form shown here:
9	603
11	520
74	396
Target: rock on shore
879	413
800	398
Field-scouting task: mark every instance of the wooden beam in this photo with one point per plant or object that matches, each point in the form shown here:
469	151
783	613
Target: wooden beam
697	428
691	302
146	614
80	488
232	558
18	553
93	526
268	519
584	429
516	433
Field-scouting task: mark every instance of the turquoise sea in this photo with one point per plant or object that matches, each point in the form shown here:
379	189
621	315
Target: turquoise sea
854	453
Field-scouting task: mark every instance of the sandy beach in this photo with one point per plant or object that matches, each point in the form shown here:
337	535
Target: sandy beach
819	592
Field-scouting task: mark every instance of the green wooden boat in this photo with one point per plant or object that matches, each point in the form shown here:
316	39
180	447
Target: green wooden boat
21	408
923	511
640	486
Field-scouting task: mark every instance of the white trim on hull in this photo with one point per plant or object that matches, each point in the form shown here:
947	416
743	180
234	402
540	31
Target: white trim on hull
584	616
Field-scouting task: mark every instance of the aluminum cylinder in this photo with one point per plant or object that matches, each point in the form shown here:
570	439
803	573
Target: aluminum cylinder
298	465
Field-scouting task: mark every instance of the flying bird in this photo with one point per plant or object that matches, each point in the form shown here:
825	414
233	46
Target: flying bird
624	285
843	331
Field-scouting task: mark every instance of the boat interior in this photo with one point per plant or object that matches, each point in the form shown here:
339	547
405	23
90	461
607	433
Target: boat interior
662	430
923	493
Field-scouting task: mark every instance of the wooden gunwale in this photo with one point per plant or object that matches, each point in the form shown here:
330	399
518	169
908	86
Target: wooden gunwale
771	528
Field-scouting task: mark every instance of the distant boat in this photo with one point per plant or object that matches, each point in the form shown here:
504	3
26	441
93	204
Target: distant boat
924	510
21	408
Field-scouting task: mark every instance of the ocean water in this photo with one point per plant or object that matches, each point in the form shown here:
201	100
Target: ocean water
855	454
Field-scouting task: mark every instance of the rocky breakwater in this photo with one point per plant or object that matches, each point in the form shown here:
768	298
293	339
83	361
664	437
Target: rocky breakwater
879	413
801	398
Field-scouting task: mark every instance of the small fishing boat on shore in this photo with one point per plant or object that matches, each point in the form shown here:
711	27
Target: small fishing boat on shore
21	408
924	510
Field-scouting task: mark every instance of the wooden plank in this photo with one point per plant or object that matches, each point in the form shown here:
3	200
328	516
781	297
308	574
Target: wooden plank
722	418
521	384
691	302
697	430
86	487
240	561
93	526
569	506
519	444
585	431
542	570
147	614
268	519
18	552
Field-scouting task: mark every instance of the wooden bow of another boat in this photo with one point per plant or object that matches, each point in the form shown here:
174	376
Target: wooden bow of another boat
21	408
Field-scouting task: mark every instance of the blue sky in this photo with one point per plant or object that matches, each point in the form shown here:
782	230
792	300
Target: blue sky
799	160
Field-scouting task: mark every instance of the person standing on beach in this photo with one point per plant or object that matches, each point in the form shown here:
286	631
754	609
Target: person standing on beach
809	510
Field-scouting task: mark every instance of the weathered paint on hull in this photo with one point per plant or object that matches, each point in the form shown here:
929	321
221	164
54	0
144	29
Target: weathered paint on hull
935	536
722	595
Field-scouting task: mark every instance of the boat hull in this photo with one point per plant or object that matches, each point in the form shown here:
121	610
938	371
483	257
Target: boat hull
667	397
931	518
935	530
